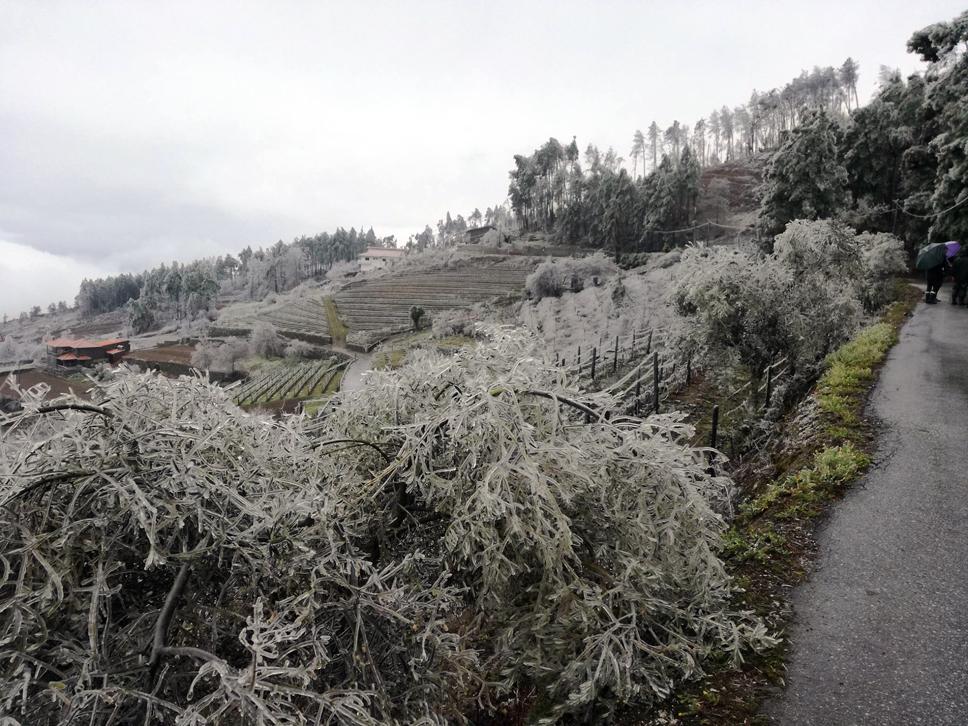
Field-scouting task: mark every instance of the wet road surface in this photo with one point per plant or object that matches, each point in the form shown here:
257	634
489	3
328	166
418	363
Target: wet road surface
881	627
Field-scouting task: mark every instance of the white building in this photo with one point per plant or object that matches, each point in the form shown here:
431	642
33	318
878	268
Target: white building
374	258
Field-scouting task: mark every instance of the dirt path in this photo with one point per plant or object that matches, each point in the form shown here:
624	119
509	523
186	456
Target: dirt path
881	631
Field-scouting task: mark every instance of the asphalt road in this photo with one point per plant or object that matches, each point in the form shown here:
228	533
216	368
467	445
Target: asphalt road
881	628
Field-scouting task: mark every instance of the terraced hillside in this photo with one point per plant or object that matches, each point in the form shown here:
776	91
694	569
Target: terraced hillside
304	319
384	303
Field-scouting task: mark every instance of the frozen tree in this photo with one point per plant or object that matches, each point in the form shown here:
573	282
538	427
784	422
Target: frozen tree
265	341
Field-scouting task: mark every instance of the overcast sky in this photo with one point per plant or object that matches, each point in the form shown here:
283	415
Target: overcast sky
138	132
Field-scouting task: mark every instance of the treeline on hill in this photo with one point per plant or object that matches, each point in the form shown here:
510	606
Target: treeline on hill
450	230
178	291
896	165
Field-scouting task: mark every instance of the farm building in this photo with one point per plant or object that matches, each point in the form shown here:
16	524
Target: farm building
71	352
374	258
487	235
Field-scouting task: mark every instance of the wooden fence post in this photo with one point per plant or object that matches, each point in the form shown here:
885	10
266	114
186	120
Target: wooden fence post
579	361
655	379
715	429
689	369
632	349
594	358
638	394
615	357
648	346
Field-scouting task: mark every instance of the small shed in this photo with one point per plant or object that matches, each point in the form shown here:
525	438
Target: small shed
374	258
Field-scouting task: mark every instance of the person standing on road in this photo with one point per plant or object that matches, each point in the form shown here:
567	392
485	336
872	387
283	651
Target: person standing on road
959	266
934	277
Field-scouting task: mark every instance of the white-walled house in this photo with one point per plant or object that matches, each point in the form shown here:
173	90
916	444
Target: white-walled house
374	258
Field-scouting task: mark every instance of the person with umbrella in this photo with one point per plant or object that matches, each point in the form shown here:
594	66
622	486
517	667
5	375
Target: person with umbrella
933	260
959	266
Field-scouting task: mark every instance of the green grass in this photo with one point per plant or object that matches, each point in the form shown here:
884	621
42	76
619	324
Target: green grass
337	328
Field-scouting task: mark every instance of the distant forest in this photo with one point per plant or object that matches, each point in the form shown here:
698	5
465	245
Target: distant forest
898	164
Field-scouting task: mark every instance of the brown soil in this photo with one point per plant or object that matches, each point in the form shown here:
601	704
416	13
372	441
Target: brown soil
164	354
58	385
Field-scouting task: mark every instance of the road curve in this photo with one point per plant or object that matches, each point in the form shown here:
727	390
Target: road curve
881	627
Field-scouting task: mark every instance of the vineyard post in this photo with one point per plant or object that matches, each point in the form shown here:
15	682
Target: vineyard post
689	369
615	357
632	349
594	358
655	379
638	394
715	427
578	356
648	346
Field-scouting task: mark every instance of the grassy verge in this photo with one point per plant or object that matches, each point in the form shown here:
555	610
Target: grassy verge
337	328
770	542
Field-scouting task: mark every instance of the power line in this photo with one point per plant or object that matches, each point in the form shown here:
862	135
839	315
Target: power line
930	216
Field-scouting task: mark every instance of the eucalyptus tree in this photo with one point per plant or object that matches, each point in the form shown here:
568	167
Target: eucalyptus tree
638	151
804	178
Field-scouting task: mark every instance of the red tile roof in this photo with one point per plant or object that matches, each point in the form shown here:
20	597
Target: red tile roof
73	356
84	343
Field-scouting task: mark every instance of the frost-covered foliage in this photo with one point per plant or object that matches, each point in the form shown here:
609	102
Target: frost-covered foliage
568	274
12	350
168	559
588	550
265	341
301	349
456	322
454	531
339	270
219	357
632	302
799	302
865	263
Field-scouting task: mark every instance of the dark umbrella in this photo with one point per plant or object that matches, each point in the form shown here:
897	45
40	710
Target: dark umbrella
932	255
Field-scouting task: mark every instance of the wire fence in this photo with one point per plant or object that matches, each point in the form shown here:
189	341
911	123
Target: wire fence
656	367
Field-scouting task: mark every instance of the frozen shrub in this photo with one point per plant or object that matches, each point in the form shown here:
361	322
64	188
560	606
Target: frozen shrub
588	551
884	259
759	308
265	341
454	322
219	357
177	561
301	349
555	276
340	270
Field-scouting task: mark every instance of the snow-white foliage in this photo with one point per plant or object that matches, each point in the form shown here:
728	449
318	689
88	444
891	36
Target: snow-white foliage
633	302
341	270
265	341
801	302
169	559
555	276
301	349
460	321
866	263
589	549
219	357
455	529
